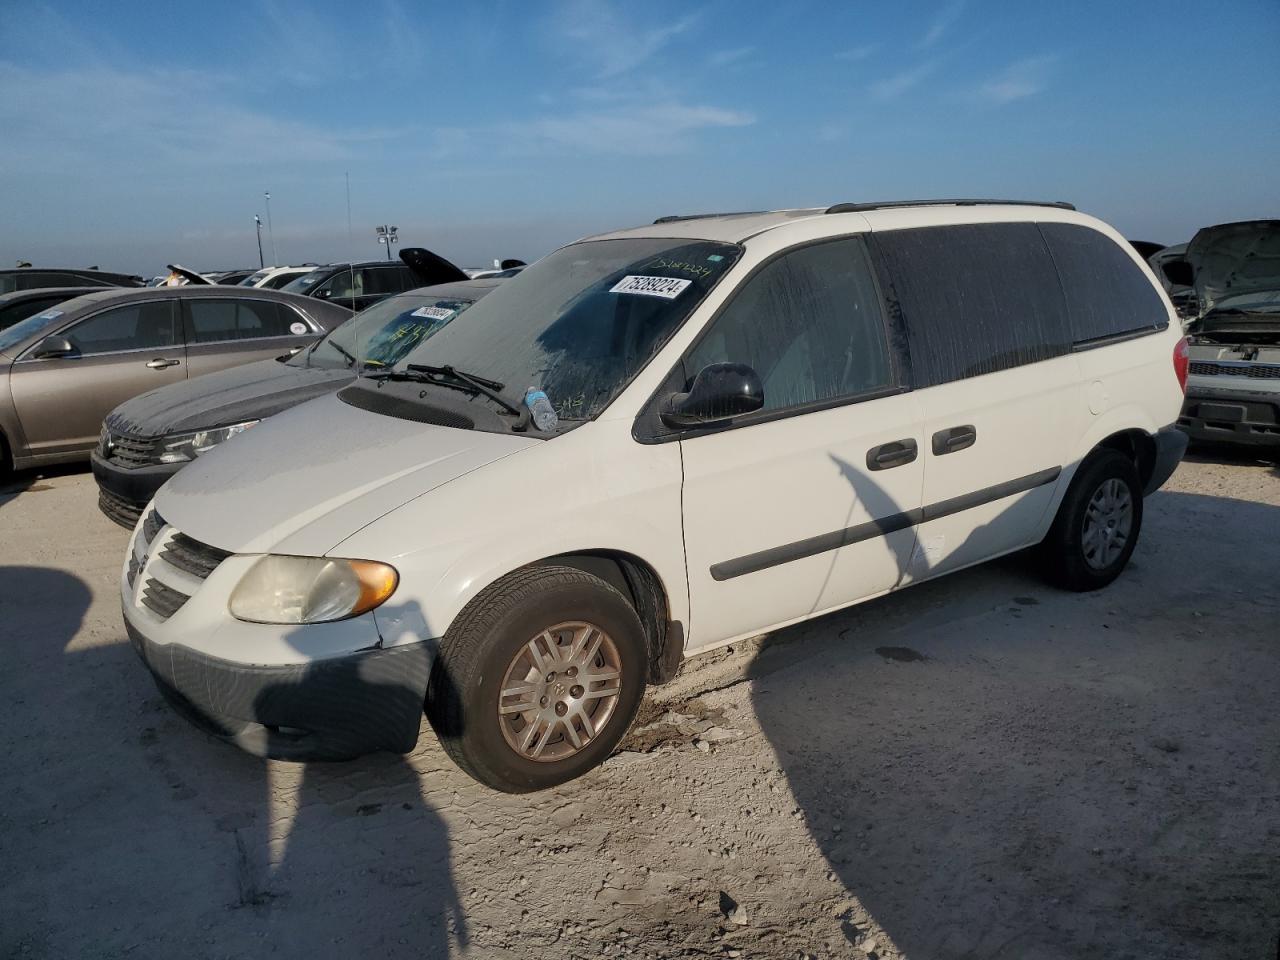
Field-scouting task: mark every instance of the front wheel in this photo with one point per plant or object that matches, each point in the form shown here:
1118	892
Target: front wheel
1097	525
538	679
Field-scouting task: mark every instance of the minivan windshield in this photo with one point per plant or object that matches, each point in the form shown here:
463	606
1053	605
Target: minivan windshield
582	322
382	335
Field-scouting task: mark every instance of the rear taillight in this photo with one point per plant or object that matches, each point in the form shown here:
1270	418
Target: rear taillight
1181	359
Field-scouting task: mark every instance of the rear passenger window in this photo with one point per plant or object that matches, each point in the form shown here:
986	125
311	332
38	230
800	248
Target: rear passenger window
809	323
1107	293
975	298
213	321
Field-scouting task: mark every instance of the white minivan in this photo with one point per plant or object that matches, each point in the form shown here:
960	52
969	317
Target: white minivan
648	444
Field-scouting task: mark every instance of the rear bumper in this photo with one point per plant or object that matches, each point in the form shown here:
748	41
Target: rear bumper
331	709
1171	444
1225	416
124	494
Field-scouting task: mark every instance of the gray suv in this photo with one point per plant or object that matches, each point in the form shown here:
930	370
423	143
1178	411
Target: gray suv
63	370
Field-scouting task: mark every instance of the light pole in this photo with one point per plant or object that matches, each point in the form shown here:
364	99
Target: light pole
257	222
388	236
275	261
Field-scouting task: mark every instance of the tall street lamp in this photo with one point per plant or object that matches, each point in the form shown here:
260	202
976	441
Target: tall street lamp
275	261
257	222
388	236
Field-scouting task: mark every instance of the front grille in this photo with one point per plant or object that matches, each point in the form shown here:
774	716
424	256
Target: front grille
122	511
162	599
1255	371
129	452
178	552
196	558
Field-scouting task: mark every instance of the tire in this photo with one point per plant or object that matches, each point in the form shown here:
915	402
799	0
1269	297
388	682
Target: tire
491	648
1074	561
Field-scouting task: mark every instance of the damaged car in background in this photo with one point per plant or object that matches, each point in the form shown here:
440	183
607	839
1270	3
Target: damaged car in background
1233	388
148	439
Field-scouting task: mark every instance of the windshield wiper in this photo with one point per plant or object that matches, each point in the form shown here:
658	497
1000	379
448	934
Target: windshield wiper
351	361
447	376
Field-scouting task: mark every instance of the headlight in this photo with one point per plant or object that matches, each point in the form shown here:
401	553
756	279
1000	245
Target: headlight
188	446
279	589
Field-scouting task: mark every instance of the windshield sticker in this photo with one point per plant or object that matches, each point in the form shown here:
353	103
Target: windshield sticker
680	266
715	258
50	315
433	313
297	328
668	288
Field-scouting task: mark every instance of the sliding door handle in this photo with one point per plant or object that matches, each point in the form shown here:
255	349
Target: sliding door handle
953	439
889	455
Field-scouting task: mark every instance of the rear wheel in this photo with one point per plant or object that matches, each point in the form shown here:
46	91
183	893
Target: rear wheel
538	679
1097	525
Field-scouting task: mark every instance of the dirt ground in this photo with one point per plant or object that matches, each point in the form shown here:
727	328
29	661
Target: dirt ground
979	767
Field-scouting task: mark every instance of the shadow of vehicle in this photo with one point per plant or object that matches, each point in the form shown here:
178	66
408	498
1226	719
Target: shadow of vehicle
17	482
997	769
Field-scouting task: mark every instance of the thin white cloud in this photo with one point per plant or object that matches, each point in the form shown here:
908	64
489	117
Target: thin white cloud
855	54
892	87
722	58
632	130
943	21
1019	80
614	43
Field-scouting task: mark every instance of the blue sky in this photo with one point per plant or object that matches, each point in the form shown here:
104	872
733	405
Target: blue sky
134	134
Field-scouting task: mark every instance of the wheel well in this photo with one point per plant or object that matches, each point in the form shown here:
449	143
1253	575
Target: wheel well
5	464
1138	447
640	584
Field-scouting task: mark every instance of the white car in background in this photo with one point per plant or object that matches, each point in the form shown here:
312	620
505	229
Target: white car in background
273	278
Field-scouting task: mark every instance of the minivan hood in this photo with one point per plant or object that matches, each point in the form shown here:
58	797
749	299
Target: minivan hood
254	391
309	478
1231	259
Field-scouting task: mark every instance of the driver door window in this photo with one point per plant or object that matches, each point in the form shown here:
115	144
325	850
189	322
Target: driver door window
139	326
809	323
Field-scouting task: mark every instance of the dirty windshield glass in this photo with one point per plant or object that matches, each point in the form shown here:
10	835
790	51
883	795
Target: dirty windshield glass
12	336
305	282
383	334
580	323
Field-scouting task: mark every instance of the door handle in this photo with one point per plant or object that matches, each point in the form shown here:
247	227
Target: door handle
160	364
889	455
956	438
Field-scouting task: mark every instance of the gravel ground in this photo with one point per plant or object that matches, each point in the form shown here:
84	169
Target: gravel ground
977	767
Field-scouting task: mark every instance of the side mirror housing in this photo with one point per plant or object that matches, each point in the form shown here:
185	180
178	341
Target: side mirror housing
720	392
51	347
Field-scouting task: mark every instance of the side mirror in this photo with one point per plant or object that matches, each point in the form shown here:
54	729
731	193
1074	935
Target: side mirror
1178	272
51	347
720	391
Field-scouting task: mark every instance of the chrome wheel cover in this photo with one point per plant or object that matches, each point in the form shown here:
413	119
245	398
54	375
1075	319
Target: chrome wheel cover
559	691
1108	524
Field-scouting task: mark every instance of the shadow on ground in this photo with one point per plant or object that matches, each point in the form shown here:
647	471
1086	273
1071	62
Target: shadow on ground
1026	773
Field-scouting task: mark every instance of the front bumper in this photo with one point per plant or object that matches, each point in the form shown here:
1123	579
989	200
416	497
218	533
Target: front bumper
1171	444
331	709
124	493
1226	416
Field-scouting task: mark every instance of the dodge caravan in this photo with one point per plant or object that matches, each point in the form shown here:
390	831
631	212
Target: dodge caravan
648	444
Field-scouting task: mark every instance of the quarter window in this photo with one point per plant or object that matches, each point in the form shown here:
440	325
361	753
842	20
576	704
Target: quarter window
138	326
1107	294
974	298
810	323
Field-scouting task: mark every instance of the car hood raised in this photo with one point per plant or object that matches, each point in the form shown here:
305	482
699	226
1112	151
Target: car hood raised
312	476
253	391
1231	259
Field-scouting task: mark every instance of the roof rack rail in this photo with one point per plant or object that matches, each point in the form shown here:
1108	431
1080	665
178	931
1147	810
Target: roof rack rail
676	218
964	202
